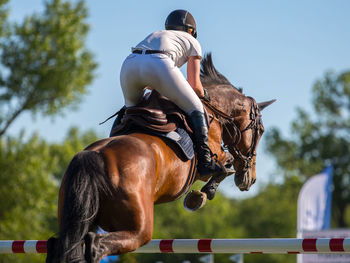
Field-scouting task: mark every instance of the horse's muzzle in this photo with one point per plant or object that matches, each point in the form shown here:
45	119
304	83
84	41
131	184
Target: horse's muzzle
244	180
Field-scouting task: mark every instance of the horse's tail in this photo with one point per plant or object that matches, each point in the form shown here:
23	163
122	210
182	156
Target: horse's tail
85	180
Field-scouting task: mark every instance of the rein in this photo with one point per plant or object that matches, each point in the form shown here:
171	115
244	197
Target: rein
217	111
236	135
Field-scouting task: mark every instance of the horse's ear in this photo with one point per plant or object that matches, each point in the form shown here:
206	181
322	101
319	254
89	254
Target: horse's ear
263	105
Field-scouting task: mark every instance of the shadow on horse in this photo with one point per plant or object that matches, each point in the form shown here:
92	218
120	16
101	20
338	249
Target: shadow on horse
115	182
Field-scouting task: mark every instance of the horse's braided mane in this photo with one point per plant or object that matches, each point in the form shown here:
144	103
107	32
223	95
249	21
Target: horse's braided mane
210	75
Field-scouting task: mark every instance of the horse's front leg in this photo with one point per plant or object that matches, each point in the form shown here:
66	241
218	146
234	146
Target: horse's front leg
211	187
213	184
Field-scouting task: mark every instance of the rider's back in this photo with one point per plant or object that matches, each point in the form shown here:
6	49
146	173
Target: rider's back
178	44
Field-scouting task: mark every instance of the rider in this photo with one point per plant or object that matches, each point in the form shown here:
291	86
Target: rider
155	62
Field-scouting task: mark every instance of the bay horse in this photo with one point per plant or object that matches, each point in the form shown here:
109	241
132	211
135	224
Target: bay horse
115	182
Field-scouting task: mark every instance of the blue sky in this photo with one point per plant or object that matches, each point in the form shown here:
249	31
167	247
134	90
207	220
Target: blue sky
274	49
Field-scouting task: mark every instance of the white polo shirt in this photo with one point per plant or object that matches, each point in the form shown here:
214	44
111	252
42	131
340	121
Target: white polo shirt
179	44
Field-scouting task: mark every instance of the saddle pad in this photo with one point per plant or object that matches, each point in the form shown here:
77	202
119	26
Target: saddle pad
182	139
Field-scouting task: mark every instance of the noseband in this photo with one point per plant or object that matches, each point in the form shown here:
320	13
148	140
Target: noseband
227	122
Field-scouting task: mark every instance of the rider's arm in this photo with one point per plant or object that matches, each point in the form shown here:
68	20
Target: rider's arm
193	75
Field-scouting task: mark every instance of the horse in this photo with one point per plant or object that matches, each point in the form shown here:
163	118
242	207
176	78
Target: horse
115	182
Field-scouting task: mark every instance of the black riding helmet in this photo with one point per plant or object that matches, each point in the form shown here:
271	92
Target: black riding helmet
181	20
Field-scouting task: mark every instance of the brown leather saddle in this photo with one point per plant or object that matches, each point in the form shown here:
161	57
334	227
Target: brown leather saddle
154	113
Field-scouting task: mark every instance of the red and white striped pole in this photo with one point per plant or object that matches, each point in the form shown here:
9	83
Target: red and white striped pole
22	246
248	246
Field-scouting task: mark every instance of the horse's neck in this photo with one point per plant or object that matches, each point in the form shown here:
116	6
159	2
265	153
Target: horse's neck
231	102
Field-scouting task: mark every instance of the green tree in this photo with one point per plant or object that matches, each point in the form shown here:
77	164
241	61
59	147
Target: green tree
27	195
29	179
63	152
321	139
3	16
45	65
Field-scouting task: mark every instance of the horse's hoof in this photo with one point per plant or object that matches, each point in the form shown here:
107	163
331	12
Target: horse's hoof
195	200
210	189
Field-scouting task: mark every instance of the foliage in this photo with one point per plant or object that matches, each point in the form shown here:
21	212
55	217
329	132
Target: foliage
29	186
63	152
45	65
3	16
321	139
27	195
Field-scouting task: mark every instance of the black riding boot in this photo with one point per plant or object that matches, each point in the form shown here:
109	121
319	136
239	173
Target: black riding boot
117	120
206	166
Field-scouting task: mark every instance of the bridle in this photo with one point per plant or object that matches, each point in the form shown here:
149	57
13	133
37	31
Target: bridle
228	124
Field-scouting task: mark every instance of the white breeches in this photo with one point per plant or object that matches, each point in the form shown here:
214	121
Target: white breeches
158	72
